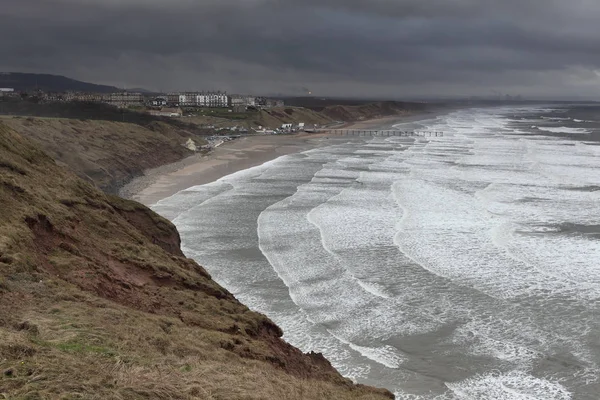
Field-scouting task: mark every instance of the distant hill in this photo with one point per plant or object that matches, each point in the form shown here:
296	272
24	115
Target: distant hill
141	90
50	83
351	110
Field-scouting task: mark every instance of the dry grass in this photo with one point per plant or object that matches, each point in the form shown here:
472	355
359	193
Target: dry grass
271	118
275	117
97	302
361	112
81	354
107	153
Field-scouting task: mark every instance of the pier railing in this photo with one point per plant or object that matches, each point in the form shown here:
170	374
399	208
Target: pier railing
386	133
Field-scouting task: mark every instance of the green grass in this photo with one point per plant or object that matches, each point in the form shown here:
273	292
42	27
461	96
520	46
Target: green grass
75	346
71	347
186	368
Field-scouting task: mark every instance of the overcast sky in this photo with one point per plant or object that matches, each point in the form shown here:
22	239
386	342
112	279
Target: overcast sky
358	48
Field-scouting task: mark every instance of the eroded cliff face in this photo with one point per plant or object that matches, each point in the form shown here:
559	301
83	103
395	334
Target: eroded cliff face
97	301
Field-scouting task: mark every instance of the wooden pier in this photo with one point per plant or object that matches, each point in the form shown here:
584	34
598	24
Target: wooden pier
381	133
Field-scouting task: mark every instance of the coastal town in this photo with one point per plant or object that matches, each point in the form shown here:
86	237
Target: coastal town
155	102
225	115
126	98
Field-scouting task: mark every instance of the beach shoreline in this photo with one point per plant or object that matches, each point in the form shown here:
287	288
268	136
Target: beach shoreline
240	154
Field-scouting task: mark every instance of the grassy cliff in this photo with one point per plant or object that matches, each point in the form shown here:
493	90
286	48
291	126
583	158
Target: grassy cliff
352	110
275	117
271	118
352	113
108	153
98	302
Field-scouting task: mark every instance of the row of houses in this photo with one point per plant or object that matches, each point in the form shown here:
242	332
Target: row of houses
175	99
214	100
7	92
122	99
194	99
180	99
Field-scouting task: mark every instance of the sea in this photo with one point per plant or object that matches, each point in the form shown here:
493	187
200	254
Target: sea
463	266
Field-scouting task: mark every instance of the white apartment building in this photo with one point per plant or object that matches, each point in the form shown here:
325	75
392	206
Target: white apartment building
243	100
120	99
251	101
188	99
6	91
212	100
237	101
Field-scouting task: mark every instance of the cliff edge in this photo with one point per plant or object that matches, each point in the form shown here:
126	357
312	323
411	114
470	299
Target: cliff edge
97	301
108	153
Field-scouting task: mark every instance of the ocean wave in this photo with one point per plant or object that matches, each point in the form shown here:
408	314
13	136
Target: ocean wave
563	129
441	246
514	385
557	118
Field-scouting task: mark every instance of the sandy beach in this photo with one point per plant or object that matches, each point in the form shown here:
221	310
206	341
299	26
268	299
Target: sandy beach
199	169
237	155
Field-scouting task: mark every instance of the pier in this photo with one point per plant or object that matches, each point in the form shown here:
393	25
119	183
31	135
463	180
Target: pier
384	133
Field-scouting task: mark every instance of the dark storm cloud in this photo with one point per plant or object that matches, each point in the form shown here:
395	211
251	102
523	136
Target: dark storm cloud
335	47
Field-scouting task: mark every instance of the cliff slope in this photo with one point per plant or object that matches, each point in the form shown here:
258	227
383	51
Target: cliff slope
108	153
352	113
271	118
97	302
275	117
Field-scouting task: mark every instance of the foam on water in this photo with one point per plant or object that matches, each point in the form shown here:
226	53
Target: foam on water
563	129
488	337
458	244
421	264
557	118
386	355
189	198
510	386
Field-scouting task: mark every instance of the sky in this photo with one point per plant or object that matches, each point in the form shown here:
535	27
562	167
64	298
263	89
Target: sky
349	48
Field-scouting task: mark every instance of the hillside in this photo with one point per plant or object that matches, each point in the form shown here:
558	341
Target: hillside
97	301
275	117
108	153
352	113
325	112
270	118
79	110
50	83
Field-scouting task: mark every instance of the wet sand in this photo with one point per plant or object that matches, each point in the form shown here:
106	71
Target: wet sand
199	169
